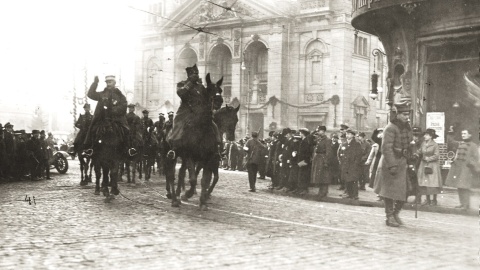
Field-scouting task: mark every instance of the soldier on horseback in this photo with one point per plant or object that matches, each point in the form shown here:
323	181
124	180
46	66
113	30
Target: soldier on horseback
109	113
83	123
192	93
147	123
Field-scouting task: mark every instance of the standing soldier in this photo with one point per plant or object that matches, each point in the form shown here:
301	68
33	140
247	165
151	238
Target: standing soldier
159	125
21	156
169	123
44	164
135	125
350	157
322	162
83	123
366	148
304	161
34	151
146	123
391	179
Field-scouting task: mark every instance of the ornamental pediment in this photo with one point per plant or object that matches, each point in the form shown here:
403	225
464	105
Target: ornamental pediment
198	13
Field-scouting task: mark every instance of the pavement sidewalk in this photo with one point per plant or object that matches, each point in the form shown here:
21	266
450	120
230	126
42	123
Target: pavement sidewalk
447	200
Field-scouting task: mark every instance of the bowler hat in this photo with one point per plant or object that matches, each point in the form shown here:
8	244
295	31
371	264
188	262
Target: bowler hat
431	132
42	132
286	131
324	128
145	111
254	134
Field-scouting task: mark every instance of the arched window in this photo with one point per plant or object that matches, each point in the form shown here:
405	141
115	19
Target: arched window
153	77
314	66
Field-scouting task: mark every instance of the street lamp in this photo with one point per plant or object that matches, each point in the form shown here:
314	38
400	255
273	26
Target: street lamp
375	90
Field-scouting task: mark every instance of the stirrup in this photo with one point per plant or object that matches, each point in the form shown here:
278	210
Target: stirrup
88	152
132	152
171	154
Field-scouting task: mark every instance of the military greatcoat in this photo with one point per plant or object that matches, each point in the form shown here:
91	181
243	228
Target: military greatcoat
321	160
463	173
83	123
350	157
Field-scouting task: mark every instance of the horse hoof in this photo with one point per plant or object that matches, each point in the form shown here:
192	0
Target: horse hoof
203	207
115	191
176	204
169	195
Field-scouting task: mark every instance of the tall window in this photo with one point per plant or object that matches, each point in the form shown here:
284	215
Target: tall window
361	46
314	66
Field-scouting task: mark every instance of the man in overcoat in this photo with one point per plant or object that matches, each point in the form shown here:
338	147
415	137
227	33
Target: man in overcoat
254	149
366	147
350	158
10	149
83	123
304	162
35	153
292	162
465	168
283	156
322	161
391	179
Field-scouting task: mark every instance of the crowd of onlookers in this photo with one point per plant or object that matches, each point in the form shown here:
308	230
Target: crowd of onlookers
25	155
298	159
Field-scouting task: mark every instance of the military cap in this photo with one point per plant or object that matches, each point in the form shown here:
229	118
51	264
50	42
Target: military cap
351	131
343	127
7	125
276	135
305	131
324	128
192	70
170	113
161	114
417	131
254	134
297	136
42	132
334	136
361	134
131	105
145	111
109	78
270	134
86	106
35	131
22	131
293	131
401	107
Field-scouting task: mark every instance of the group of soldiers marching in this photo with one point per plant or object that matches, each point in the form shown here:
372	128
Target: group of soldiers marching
25	155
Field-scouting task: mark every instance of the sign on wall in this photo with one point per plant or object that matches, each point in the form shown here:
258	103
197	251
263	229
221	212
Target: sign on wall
436	121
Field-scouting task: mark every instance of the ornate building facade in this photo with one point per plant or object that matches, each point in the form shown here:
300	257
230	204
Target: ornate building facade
295	63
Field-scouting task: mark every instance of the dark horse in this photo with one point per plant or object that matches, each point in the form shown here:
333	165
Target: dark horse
85	165
201	145
226	120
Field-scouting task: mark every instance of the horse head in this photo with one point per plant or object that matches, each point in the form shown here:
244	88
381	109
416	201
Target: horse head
226	119
214	91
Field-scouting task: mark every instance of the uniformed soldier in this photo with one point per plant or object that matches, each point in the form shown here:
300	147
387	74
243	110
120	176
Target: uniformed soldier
135	126
44	164
322	161
147	123
366	148
21	155
159	125
111	106
83	123
350	156
169	123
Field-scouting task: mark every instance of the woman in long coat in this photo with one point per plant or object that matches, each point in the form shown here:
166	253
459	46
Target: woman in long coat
429	184
465	167
375	154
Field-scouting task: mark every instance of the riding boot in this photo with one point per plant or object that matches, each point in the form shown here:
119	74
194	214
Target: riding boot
389	211
397	208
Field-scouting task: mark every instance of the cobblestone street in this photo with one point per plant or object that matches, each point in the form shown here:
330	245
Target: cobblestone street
69	227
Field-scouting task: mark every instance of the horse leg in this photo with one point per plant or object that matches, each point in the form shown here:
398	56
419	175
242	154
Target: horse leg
98	174
215	180
127	169
140	168
83	182
105	173
192	178
170	176
206	177
182	172
114	177
90	164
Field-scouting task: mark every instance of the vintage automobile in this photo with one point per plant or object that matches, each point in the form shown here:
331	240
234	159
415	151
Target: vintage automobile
59	161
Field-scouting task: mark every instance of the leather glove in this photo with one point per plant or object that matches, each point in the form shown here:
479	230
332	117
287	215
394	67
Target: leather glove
96	80
393	170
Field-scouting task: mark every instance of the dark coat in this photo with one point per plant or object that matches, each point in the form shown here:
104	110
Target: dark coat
305	154
350	157
136	131
9	139
255	151
387	184
34	149
233	156
146	123
463	173
322	159
83	123
116	113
